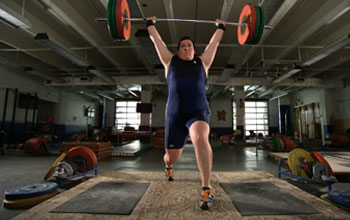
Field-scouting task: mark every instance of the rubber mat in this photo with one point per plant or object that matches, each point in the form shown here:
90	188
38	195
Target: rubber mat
264	198
106	198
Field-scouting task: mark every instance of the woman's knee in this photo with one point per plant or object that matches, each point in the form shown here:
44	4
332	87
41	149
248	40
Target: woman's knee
174	154
199	138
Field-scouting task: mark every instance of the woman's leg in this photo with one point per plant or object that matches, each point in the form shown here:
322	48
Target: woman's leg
199	132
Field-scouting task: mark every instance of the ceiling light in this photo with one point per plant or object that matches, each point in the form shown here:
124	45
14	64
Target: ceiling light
12	18
43	38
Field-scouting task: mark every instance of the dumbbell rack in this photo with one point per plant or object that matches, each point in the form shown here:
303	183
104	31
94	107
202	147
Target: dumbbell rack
305	180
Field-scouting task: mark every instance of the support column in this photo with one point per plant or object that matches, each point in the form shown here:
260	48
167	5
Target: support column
240	103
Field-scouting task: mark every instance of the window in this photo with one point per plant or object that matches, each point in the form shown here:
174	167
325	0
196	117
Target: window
256	117
91	112
126	115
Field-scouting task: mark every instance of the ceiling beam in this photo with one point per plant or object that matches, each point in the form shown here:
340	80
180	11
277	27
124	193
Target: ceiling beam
213	80
317	19
68	14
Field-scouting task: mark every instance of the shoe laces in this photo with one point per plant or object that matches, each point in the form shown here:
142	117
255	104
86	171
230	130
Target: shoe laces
206	194
170	172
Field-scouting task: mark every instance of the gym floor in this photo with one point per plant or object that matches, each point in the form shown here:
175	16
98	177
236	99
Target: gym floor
23	169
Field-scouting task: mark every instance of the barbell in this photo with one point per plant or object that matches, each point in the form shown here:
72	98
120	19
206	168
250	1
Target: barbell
250	26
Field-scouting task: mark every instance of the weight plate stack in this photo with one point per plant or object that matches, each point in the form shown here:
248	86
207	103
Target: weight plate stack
23	203
293	159
111	19
30	190
262	25
257	26
85	153
249	16
123	27
318	157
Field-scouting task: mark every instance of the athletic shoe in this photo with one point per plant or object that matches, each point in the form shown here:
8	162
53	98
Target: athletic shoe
207	199
169	173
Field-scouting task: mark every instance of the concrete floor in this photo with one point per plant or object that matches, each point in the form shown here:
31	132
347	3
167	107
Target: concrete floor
17	170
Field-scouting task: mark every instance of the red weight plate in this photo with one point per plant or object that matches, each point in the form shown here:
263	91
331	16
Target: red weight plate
123	27
318	157
86	153
251	22
37	146
243	32
225	139
290	144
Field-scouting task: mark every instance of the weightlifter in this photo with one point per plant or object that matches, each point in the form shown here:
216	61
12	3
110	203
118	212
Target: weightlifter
187	111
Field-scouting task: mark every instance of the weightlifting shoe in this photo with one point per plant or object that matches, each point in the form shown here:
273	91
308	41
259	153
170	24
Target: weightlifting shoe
169	173
207	199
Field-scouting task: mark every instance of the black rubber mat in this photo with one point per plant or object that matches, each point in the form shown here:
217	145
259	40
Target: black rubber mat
106	198
264	198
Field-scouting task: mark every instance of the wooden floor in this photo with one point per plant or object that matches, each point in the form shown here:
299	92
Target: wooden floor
180	199
339	161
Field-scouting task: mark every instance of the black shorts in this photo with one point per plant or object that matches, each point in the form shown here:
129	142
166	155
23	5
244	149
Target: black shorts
177	127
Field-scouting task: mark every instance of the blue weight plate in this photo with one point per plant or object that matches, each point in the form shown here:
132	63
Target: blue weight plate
30	190
342	197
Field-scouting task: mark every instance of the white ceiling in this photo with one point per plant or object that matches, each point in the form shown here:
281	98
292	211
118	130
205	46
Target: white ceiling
302	29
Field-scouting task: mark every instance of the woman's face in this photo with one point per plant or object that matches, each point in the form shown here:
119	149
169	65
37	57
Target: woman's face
186	50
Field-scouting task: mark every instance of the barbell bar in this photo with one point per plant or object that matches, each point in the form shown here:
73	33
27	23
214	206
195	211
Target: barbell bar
250	26
185	20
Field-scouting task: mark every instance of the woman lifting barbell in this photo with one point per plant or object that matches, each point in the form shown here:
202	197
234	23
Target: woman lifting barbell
187	111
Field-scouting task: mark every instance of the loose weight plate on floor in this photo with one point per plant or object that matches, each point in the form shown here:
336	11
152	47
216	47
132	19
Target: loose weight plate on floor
21	203
30	190
341	197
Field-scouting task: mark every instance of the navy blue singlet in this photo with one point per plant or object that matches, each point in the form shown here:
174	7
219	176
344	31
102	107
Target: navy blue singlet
187	102
186	85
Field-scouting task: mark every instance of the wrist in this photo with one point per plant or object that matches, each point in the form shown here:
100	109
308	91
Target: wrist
221	26
149	23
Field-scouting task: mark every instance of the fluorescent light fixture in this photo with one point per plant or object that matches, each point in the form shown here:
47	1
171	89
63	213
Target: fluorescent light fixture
43	75
43	39
104	76
332	48
287	74
12	18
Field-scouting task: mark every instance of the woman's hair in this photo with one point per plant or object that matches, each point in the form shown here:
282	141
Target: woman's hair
185	38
